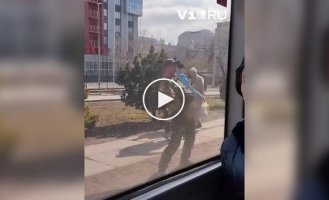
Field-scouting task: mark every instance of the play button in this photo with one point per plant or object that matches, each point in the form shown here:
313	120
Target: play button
158	99
163	99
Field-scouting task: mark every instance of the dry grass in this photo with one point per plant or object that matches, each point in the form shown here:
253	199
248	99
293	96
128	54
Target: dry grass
215	104
117	120
115	112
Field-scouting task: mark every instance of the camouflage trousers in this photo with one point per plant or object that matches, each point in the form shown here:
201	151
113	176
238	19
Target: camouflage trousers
179	131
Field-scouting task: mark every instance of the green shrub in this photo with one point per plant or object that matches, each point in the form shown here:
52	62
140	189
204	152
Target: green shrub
135	77
90	119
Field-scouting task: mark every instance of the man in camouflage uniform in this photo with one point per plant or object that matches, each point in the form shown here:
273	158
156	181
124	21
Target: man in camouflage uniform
182	126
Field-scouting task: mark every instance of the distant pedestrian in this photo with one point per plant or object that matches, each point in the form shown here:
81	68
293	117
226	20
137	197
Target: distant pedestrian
197	82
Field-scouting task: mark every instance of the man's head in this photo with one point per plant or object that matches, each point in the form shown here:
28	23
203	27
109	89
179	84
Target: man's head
180	68
239	78
169	68
193	72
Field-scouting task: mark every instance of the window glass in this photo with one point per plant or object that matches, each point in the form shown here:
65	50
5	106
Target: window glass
117	22
133	131
130	24
135	7
117	8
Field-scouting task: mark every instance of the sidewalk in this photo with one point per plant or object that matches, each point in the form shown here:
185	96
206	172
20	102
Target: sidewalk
125	162
211	92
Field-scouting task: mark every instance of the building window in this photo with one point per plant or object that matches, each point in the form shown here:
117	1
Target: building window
104	65
105	40
130	24
105	5
117	8
105	12
134	7
117	22
105	26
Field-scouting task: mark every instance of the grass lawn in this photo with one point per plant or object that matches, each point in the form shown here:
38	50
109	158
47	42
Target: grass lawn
117	121
115	112
215	104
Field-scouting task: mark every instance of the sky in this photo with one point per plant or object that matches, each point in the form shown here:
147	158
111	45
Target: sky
161	19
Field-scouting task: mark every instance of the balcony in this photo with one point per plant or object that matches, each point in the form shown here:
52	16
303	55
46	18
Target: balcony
94	29
93	14
94	1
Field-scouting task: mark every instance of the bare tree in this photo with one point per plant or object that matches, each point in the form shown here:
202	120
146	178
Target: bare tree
220	50
141	45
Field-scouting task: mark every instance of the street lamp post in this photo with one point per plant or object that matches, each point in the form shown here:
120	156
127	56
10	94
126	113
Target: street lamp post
113	52
214	69
113	71
108	69
99	38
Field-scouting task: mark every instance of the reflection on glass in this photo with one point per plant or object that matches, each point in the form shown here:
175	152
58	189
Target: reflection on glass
124	145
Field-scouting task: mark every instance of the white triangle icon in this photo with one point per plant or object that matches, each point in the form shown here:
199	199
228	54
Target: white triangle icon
163	99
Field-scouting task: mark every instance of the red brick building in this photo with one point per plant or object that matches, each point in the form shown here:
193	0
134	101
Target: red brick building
222	2
93	27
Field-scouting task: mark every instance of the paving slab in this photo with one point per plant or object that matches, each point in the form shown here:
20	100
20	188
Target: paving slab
120	178
143	146
94	167
109	146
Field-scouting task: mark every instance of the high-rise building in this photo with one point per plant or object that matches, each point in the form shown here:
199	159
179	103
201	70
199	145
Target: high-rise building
119	24
123	20
93	27
95	46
